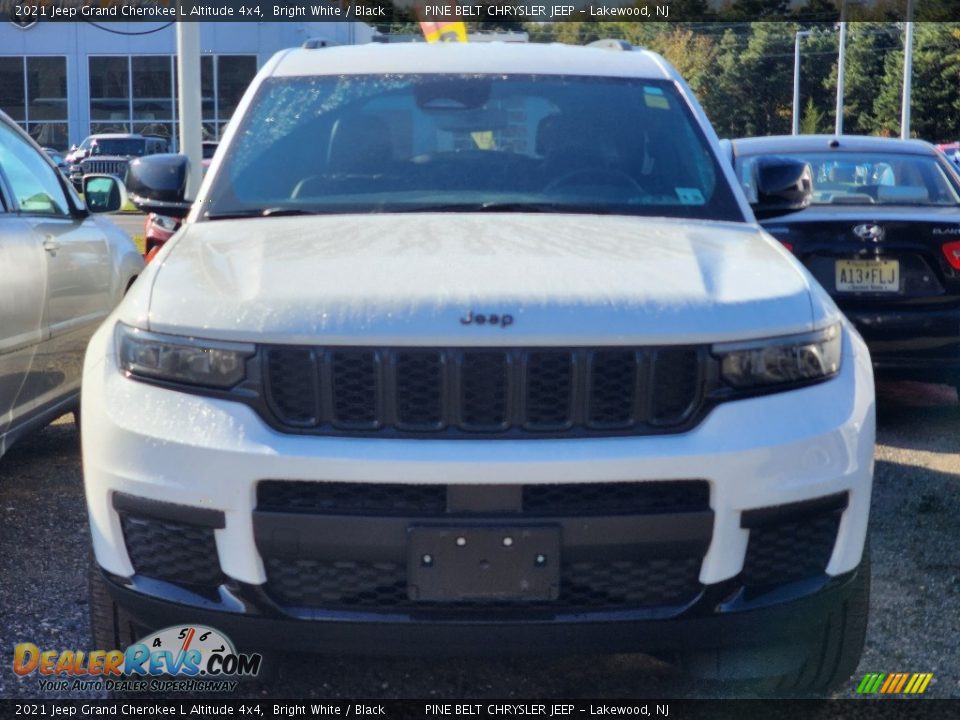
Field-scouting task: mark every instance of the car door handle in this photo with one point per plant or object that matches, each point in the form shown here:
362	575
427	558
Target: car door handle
51	245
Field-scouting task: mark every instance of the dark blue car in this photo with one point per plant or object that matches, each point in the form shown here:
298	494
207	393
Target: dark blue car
882	236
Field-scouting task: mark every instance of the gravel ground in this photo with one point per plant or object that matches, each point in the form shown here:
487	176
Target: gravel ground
915	604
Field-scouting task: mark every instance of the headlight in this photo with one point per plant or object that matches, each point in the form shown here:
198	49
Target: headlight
178	359
781	361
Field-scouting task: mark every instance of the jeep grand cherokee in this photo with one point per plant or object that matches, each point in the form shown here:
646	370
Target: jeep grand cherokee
310	424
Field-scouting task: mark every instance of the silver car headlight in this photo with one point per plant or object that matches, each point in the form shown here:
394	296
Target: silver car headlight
784	360
177	359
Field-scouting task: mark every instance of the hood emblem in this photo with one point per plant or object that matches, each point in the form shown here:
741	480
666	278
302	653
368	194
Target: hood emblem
869	232
504	321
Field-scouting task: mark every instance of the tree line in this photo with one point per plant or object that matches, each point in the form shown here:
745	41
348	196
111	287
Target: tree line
739	60
742	72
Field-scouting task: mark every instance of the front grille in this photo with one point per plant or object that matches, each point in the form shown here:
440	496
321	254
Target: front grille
628	498
594	585
106	167
341	498
573	499
790	551
488	392
172	551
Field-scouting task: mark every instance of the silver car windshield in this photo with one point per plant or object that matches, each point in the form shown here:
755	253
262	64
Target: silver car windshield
433	142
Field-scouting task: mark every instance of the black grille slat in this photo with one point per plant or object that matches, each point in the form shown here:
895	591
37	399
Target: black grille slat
311	583
356	380
592	585
484	378
419	390
626	498
292	383
175	552
549	384
548	500
674	386
613	381
349	498
463	392
106	167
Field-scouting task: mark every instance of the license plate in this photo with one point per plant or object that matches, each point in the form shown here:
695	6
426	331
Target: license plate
868	275
483	563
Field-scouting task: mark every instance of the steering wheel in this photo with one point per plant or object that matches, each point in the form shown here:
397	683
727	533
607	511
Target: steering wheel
619	176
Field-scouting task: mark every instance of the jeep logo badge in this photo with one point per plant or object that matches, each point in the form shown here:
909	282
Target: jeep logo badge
504	321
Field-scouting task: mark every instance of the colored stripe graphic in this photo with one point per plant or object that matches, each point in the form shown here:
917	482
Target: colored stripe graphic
891	682
894	683
870	683
900	683
918	684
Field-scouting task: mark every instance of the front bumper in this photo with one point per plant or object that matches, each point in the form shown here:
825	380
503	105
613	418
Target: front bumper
181	472
766	638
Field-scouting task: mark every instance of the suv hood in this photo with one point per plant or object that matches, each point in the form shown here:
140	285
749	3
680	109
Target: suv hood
408	279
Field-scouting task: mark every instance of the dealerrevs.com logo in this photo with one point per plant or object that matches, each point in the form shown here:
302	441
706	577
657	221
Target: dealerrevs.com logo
188	658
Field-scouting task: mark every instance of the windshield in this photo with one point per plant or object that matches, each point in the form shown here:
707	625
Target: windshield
397	143
867	179
118	146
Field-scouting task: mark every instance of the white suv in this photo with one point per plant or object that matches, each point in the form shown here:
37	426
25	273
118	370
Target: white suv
481	349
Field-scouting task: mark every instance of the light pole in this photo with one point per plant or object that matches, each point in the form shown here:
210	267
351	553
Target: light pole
907	74
841	65
796	80
190	113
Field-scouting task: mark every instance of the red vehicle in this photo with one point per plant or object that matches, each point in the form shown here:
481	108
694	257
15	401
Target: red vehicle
157	229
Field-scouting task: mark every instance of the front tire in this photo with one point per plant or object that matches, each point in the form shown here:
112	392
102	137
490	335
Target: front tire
111	627
836	653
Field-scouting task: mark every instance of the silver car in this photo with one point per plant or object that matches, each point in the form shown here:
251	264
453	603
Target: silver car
62	270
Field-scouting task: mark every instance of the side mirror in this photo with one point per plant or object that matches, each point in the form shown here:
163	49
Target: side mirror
103	193
72	148
158	184
783	186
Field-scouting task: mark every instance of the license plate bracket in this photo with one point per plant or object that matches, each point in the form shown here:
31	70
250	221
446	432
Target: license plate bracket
463	563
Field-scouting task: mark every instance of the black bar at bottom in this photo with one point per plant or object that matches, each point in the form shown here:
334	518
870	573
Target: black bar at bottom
228	705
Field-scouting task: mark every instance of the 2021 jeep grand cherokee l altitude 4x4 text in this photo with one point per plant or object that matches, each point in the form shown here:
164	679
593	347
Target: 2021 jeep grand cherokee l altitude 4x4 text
476	349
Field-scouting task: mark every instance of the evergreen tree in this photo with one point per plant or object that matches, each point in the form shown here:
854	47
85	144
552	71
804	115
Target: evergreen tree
935	107
754	85
868	45
812	121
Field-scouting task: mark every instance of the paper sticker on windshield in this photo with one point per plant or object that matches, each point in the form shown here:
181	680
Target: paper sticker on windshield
689	196
654	97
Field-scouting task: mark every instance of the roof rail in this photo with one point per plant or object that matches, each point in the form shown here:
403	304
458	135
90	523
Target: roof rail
611	44
317	43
